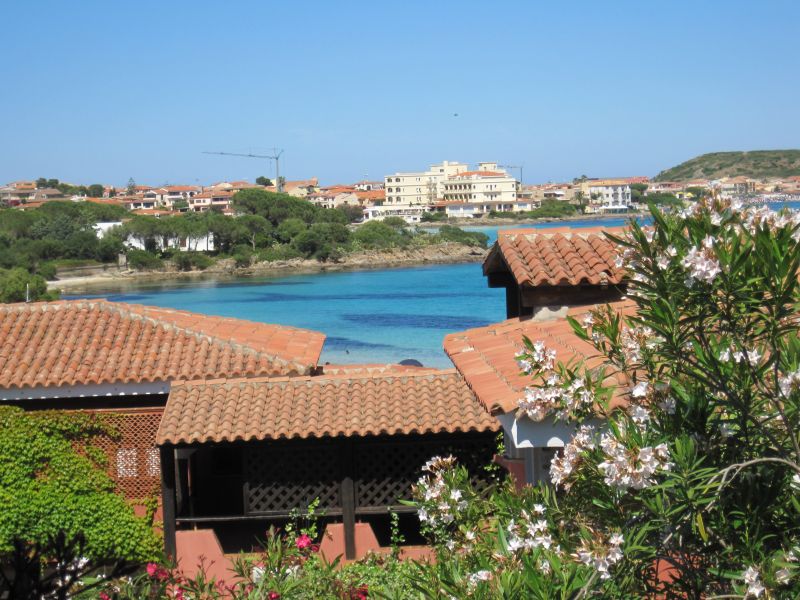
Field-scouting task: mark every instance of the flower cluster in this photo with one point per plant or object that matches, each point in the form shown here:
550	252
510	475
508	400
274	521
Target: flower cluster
558	396
540	358
601	557
702	265
561	399
478	577
789	383
562	466
529	531
753	580
628	468
750	356
440	501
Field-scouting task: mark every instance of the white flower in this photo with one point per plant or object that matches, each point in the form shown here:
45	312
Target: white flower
475	578
257	573
754	586
588	320
789	382
782	576
640	390
668	405
639	414
702	265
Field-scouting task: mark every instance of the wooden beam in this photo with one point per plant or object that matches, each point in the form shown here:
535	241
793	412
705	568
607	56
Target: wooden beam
348	497
167	456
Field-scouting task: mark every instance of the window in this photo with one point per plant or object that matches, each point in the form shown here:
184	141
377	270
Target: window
152	462
126	462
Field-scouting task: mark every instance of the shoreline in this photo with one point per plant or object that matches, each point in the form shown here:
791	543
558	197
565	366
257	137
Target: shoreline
448	253
484	221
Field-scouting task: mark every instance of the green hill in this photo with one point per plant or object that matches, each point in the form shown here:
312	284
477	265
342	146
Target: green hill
756	164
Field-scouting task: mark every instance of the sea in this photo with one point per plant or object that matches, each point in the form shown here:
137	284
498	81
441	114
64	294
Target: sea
369	316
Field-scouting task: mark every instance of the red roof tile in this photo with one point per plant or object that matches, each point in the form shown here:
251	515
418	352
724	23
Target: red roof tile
557	257
322	406
486	356
94	341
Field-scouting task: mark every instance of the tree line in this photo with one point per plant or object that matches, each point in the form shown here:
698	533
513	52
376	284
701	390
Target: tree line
268	227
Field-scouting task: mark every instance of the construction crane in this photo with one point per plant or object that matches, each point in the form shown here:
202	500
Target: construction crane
276	156
514	167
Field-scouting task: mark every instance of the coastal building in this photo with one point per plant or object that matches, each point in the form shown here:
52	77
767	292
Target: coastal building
409	213
368	186
486	185
169	195
606	195
300	188
730	187
409	195
420	188
334	197
481	208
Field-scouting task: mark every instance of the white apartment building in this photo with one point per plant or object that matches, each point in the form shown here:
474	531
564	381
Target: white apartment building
426	187
607	195
486	184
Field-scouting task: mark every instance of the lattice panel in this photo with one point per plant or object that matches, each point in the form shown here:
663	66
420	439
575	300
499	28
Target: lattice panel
284	476
133	460
386	471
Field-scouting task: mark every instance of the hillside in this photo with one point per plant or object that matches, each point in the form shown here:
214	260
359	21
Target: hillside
756	164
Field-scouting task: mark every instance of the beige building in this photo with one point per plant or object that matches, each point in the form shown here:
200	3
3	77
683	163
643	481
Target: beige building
486	184
425	187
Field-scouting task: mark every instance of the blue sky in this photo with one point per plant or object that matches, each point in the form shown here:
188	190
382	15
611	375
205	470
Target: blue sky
102	91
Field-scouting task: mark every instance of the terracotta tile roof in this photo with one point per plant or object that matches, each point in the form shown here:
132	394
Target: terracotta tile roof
557	257
322	406
81	342
371	194
485	356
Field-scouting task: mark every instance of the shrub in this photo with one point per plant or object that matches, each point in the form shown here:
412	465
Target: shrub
141	260
322	241
379	234
17	285
47	270
242	256
433	217
187	261
449	233
278	252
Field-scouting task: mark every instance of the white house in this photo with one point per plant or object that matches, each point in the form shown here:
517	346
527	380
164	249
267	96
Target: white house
607	195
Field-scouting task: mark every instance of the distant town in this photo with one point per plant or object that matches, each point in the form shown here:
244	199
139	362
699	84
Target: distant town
445	190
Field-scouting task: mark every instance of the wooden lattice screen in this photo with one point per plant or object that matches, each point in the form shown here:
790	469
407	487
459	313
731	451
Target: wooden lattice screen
133	460
285	476
289	475
385	472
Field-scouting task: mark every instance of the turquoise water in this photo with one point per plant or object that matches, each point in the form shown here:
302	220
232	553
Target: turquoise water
372	316
378	316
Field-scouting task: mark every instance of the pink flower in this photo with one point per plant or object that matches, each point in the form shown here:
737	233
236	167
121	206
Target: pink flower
152	569
104	596
361	593
273	596
303	542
